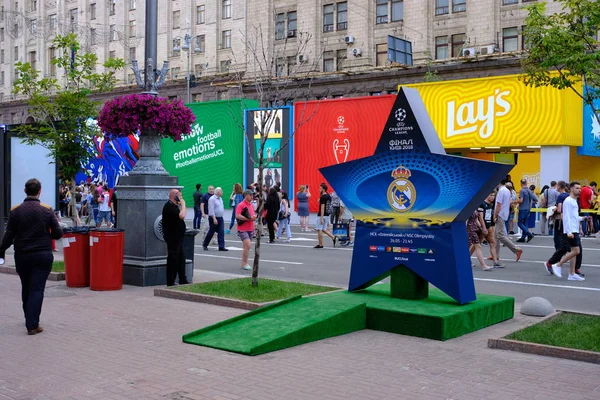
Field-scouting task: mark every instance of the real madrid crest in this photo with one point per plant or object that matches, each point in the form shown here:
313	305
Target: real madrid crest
401	192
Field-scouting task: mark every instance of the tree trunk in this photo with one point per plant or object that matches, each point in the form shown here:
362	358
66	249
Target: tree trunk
73	204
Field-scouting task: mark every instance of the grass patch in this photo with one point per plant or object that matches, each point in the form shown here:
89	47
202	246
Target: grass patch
58	266
574	331
242	289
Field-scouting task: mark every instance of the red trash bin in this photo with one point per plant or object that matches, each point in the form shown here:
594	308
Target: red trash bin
106	259
76	251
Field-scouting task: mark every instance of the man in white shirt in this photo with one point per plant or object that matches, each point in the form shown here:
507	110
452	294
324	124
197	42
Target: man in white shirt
571	231
215	219
501	214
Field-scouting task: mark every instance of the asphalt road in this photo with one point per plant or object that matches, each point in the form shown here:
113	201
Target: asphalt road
298	260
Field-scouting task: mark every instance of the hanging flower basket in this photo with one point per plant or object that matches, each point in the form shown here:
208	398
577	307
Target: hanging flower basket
146	114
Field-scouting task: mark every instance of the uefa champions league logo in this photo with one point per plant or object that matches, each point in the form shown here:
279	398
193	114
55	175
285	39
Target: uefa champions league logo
400	114
340	120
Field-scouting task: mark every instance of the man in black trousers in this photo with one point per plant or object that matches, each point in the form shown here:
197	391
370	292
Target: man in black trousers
31	227
173	226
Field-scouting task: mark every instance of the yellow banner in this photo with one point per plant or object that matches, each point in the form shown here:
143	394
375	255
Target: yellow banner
502	111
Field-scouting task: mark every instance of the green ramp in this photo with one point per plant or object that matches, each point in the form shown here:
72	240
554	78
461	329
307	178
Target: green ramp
285	324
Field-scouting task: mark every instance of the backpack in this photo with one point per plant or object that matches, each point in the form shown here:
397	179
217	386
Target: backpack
328	207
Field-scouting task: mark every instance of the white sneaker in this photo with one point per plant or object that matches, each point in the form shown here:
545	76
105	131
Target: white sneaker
557	270
247	267
575	277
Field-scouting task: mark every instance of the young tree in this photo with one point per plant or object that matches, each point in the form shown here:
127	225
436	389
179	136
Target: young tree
274	72
61	112
563	50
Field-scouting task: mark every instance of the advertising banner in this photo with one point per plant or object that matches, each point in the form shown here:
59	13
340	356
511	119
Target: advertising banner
278	149
501	111
213	153
334	131
591	131
411	201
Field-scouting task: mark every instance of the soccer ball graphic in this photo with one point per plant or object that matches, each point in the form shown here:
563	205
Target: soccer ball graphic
340	120
400	114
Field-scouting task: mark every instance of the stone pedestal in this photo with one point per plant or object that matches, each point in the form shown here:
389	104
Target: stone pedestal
141	197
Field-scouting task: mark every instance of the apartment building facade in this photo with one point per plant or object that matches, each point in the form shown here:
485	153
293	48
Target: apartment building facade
348	46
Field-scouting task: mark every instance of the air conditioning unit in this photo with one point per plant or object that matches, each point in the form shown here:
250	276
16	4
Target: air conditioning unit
485	50
468	52
291	33
302	58
357	52
349	39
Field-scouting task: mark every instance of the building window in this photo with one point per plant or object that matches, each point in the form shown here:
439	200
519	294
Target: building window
441	7
132	4
226	39
1	34
397	10
33	26
279	67
292	23
508	2
225	65
53	22
200	44
2	78
342	16
176	49
458	41
175	72
328	18
1	56
328	61
382	12
200	12
198	68
51	58
381	55
16	53
112	54
176	19
93	11
112	8
524	44
291	65
510	39
279	26
132	54
226	9
112	33
441	47
341	56
132	29
93	37
73	16
459	6
33	5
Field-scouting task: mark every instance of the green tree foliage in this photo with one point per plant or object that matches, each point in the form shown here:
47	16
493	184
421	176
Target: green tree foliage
61	111
565	42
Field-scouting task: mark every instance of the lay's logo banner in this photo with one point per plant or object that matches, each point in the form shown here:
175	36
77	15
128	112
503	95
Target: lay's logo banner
502	111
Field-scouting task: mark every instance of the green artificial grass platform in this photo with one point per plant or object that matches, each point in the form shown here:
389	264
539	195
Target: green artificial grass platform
300	320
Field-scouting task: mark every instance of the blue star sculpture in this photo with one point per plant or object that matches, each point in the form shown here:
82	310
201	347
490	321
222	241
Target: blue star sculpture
411	202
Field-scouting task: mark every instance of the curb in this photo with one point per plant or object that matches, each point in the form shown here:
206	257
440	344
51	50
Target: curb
545	350
203	298
54	276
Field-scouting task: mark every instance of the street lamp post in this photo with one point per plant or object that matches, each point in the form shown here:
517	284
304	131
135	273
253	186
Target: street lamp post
185	46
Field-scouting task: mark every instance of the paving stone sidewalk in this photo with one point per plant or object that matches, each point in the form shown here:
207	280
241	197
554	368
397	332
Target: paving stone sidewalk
127	345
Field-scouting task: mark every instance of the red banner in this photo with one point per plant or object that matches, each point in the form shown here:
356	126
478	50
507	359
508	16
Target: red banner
340	130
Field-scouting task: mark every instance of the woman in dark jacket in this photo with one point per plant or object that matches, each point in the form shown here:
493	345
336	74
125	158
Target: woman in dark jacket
272	207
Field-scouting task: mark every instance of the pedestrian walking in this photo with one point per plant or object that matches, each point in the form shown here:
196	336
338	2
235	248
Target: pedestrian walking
501	214
303	195
31	228
104	210
204	208
216	211
324	211
236	197
486	213
561	246
571	231
272	205
526	199
475	231
173	226
246	215
284	217
197	205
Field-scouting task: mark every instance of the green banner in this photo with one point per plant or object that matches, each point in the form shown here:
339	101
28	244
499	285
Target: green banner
213	153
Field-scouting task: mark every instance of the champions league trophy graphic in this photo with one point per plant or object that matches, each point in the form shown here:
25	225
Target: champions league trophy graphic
341	151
